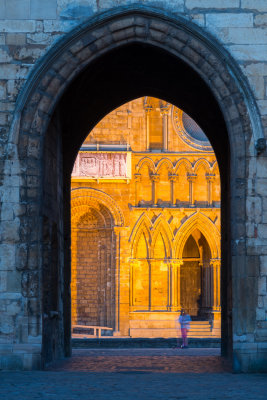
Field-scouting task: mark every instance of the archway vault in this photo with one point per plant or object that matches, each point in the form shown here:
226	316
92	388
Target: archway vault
113	58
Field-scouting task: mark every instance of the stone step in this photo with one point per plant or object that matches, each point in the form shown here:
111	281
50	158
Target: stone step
167	324
170	333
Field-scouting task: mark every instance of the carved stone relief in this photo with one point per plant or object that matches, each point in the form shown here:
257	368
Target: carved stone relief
102	165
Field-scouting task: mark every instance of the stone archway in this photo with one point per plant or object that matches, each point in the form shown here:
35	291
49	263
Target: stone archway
43	148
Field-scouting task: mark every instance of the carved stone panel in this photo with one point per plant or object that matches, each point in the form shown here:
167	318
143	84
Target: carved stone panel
102	165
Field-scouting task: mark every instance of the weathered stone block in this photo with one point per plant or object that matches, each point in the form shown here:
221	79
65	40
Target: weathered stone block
229	20
9	231
260	20
263	106
2	9
14	308
12	71
54	26
260	314
39	38
7	257
222	4
249	52
262	286
76	10
199	19
256	5
257	84
16	39
243	35
17	26
18	9
43	9
6	324
29	284
13	281
254	209
261	188
263	266
4	58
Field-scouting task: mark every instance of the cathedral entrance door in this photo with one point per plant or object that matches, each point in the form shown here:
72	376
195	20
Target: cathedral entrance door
191	287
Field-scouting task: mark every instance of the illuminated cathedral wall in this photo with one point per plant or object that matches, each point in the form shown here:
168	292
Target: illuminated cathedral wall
146	223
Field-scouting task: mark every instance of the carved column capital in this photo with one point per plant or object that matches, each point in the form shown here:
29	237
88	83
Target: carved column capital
173	177
216	262
177	263
137	177
154	177
191	177
164	109
147	108
210	177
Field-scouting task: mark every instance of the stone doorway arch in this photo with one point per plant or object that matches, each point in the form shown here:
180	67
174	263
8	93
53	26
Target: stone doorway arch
122	54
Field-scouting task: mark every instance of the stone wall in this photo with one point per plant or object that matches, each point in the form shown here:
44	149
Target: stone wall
29	28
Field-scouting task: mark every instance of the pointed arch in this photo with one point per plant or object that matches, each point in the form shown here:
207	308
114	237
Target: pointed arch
162	162
146	161
202	162
186	163
205	226
142	226
215	167
161	227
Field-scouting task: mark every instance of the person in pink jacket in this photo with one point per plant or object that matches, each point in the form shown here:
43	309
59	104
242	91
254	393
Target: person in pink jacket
184	321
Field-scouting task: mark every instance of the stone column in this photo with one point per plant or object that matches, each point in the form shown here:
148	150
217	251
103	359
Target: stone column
191	178
155	179
147	108
176	284
165	112
173	178
207	285
216	267
210	178
117	237
137	178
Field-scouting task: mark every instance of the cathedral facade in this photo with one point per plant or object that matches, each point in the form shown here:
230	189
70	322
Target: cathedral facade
146	224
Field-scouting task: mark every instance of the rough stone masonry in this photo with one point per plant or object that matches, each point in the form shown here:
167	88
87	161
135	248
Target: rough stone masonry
45	46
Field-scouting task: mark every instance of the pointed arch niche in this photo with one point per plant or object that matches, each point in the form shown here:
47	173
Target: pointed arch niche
94	220
198	247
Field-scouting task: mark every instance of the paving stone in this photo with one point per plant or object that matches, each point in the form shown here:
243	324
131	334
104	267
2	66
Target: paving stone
140	373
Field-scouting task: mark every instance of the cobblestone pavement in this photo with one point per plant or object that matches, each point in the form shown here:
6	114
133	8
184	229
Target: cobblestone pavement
135	374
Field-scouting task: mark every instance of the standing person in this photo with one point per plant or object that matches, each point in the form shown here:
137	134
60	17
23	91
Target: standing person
184	321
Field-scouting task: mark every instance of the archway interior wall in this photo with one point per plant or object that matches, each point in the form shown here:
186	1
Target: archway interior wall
181	40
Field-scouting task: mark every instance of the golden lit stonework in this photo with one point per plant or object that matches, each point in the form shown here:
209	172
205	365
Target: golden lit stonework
146	224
